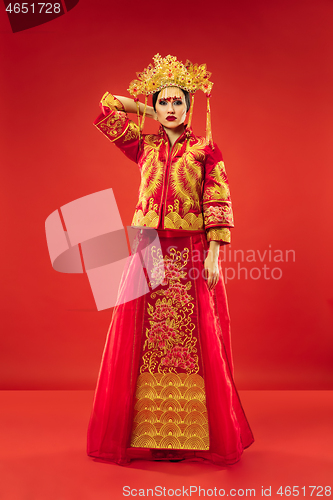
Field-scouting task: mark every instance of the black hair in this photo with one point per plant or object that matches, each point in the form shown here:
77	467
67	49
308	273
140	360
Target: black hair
186	94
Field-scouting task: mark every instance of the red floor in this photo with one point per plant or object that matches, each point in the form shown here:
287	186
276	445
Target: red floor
43	456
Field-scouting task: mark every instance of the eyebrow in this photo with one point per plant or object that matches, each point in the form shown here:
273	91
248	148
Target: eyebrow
175	98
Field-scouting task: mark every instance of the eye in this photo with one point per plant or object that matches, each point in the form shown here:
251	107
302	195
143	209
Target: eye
163	102
179	102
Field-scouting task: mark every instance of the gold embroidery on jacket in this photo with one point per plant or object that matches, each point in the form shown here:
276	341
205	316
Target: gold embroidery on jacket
172	219
219	215
186	177
197	146
187	173
132	132
185	181
153	141
151	217
113	125
112	102
219	234
151	175
220	190
170	407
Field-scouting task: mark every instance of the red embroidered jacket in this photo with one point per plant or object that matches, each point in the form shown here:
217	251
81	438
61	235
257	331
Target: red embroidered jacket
183	187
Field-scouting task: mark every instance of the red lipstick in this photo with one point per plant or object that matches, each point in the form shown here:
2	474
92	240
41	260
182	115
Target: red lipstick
171	118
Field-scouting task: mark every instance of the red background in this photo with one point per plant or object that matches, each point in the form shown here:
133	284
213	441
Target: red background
271	63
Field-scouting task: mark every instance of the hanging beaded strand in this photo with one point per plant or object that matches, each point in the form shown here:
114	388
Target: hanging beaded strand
144	113
136	99
189	122
191	113
209	137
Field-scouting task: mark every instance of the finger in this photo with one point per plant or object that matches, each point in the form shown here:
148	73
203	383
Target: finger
205	274
212	283
215	279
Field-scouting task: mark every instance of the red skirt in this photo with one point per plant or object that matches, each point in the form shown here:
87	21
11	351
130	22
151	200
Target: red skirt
165	388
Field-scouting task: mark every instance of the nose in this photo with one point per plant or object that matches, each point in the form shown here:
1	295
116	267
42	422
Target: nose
170	108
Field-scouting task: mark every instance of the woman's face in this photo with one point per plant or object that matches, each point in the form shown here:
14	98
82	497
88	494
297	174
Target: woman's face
171	107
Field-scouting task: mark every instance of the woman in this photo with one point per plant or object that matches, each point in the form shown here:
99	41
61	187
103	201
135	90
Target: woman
165	389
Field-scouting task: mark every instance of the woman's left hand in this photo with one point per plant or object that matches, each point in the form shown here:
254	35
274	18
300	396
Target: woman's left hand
211	265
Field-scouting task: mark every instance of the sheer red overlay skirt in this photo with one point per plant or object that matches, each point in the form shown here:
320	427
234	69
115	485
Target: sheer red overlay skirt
165	388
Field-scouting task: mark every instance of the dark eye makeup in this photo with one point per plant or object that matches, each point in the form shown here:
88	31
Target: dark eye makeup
163	102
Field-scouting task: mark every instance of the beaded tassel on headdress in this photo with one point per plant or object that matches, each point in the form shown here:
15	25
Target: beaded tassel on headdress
136	99
142	121
189	122
144	113
191	112
209	137
169	72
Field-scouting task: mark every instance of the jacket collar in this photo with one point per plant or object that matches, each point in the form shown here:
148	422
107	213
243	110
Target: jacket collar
188	133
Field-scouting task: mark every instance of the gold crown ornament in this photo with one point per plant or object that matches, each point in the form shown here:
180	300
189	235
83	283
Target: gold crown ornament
169	72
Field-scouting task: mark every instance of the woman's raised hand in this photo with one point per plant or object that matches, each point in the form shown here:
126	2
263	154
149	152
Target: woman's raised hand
130	107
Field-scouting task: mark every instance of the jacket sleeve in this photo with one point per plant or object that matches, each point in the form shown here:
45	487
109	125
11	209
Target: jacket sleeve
217	208
114	123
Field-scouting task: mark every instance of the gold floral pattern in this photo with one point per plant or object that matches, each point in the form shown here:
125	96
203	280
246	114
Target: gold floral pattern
218	215
170	402
171	326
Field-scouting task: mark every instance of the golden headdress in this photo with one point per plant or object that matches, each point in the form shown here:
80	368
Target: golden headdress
169	72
